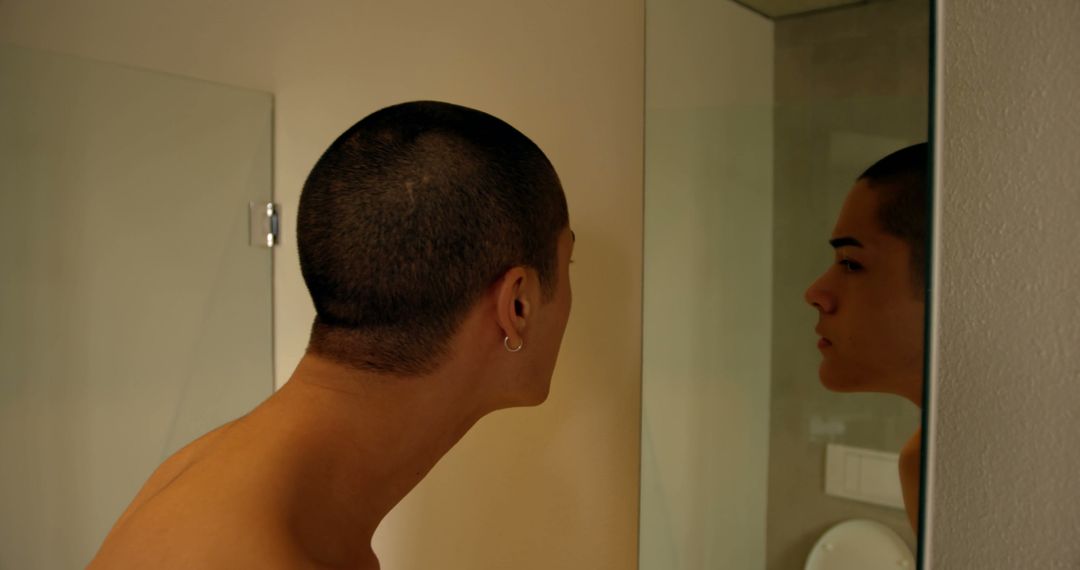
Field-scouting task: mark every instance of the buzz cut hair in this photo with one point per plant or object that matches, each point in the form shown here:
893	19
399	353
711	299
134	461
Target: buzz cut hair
903	179
408	218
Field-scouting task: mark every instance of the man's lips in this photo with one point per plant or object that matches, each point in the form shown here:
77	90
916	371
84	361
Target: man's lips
823	343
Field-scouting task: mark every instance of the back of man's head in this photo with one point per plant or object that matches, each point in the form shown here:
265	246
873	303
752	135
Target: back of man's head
902	178
408	218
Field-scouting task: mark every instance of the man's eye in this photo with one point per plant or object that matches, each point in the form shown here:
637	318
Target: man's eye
850	265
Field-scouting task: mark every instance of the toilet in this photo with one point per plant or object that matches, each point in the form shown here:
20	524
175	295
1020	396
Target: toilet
859	544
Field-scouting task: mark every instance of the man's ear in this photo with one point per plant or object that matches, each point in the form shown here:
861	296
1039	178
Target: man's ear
512	306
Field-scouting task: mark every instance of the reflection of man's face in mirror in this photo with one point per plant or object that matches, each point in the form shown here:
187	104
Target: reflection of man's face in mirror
871	301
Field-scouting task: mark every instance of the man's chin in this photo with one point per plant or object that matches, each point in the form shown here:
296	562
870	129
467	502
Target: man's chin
840	388
835	382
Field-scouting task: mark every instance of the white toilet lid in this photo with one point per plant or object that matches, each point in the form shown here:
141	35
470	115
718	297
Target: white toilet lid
860	545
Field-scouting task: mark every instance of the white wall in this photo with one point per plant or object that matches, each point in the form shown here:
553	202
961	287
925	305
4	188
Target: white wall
708	285
1006	418
553	487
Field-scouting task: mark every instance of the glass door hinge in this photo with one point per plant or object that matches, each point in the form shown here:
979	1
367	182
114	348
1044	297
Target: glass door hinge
264	223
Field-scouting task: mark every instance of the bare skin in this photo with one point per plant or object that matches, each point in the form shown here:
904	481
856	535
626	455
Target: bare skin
304	479
871	315
910	477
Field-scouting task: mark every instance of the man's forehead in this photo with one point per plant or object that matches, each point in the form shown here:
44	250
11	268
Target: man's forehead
858	219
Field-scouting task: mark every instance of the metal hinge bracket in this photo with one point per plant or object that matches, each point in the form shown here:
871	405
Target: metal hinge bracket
264	223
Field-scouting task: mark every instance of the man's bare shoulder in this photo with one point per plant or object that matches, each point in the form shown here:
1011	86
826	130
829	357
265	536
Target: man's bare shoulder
173	467
194	512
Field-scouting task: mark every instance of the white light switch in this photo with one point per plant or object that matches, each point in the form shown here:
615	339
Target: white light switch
863	475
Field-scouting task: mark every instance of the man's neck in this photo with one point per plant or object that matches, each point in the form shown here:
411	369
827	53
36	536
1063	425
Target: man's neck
358	443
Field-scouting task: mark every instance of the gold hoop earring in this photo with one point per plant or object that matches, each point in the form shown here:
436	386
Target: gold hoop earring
506	343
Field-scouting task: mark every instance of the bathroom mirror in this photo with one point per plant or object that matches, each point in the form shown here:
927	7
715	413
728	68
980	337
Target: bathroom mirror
770	319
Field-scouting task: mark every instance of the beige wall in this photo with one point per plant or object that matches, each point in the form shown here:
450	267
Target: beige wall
1004	487
552	487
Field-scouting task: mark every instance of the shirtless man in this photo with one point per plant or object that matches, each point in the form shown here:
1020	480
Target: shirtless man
435	243
871	302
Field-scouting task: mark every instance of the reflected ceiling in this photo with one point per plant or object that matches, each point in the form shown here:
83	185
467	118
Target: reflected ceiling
786	8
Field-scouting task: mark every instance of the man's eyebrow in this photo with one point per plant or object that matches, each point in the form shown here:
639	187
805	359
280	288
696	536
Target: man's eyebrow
845	241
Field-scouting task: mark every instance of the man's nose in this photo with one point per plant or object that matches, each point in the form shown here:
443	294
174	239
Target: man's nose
818	296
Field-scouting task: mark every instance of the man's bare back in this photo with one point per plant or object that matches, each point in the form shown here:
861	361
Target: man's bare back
301	482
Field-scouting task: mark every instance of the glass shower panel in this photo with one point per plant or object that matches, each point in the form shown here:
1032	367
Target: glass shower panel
707	285
134	316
